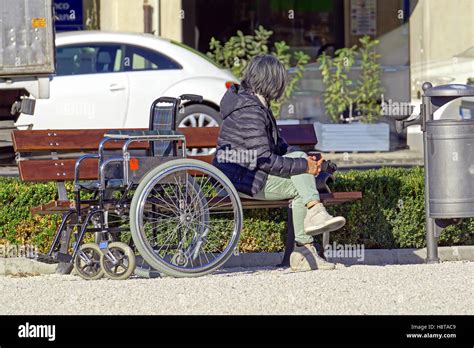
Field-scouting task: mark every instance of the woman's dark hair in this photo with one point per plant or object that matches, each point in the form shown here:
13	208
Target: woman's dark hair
265	75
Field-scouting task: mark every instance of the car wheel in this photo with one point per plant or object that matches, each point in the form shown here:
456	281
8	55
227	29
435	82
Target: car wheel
199	116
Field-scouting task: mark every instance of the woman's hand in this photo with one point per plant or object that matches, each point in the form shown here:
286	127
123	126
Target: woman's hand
314	167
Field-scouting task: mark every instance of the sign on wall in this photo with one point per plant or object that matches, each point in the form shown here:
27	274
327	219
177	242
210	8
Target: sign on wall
68	15
363	17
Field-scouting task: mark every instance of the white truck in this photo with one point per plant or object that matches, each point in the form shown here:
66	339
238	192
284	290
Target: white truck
27	60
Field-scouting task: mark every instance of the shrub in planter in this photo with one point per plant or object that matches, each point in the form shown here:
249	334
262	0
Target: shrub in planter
343	98
338	95
341	94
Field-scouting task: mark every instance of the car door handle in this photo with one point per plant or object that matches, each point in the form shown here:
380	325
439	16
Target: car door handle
116	87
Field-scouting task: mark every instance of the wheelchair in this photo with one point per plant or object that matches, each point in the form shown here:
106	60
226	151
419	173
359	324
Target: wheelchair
151	211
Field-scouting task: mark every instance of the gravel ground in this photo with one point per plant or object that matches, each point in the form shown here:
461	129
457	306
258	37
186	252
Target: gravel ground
445	288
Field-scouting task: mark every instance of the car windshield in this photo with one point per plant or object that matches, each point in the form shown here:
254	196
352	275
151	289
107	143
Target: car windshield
202	55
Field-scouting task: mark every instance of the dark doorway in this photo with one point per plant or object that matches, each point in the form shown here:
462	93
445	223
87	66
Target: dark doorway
306	25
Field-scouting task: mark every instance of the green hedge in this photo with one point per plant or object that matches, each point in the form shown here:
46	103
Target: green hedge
390	215
392	211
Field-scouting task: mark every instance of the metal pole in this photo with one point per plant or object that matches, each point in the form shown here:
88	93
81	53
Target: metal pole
431	239
290	239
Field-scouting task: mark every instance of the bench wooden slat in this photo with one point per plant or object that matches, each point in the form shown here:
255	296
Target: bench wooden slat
326	198
53	207
301	134
56	170
205	137
201	137
83	140
80	140
63	169
57	207
87	140
71	140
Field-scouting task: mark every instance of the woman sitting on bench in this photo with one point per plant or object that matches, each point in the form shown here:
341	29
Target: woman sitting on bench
261	165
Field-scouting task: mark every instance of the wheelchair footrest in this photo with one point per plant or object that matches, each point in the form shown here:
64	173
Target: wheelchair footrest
59	257
63	257
46	259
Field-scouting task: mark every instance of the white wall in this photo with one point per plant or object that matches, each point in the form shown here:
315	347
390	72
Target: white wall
127	15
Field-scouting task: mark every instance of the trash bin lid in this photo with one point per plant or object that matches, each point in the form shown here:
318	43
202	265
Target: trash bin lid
450	90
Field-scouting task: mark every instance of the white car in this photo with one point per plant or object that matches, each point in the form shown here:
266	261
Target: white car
109	80
456	70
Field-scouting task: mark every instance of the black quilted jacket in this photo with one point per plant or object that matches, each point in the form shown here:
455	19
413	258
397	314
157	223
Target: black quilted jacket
249	146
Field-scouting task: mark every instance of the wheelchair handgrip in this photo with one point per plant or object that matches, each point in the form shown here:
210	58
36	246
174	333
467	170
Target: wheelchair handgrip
192	97
167	100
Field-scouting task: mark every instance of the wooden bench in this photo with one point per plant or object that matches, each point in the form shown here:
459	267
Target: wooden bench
50	155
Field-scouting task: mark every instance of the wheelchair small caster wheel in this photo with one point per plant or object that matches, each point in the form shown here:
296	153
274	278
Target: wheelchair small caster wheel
87	262
118	261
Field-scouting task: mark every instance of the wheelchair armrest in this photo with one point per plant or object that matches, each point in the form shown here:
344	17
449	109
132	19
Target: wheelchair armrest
102	169
146	135
78	166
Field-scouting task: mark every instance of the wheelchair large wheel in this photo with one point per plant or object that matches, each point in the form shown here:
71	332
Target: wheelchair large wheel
185	218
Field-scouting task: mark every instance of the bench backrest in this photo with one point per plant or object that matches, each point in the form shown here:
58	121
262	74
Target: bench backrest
50	155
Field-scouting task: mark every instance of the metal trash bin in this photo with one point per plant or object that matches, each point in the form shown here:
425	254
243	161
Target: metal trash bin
450	154
448	161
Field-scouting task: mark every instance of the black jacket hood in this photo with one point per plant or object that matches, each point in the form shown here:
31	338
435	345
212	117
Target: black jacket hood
237	97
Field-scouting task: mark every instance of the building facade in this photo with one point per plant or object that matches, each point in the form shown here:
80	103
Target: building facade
419	39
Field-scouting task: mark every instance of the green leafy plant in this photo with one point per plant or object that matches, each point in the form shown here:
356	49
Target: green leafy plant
238	50
338	95
369	85
341	93
470	81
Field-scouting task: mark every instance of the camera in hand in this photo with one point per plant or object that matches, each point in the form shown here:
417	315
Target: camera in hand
327	165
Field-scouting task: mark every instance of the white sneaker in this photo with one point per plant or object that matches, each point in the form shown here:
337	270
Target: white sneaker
305	258
319	221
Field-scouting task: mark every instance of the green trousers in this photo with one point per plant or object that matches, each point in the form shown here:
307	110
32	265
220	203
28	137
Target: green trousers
300	188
